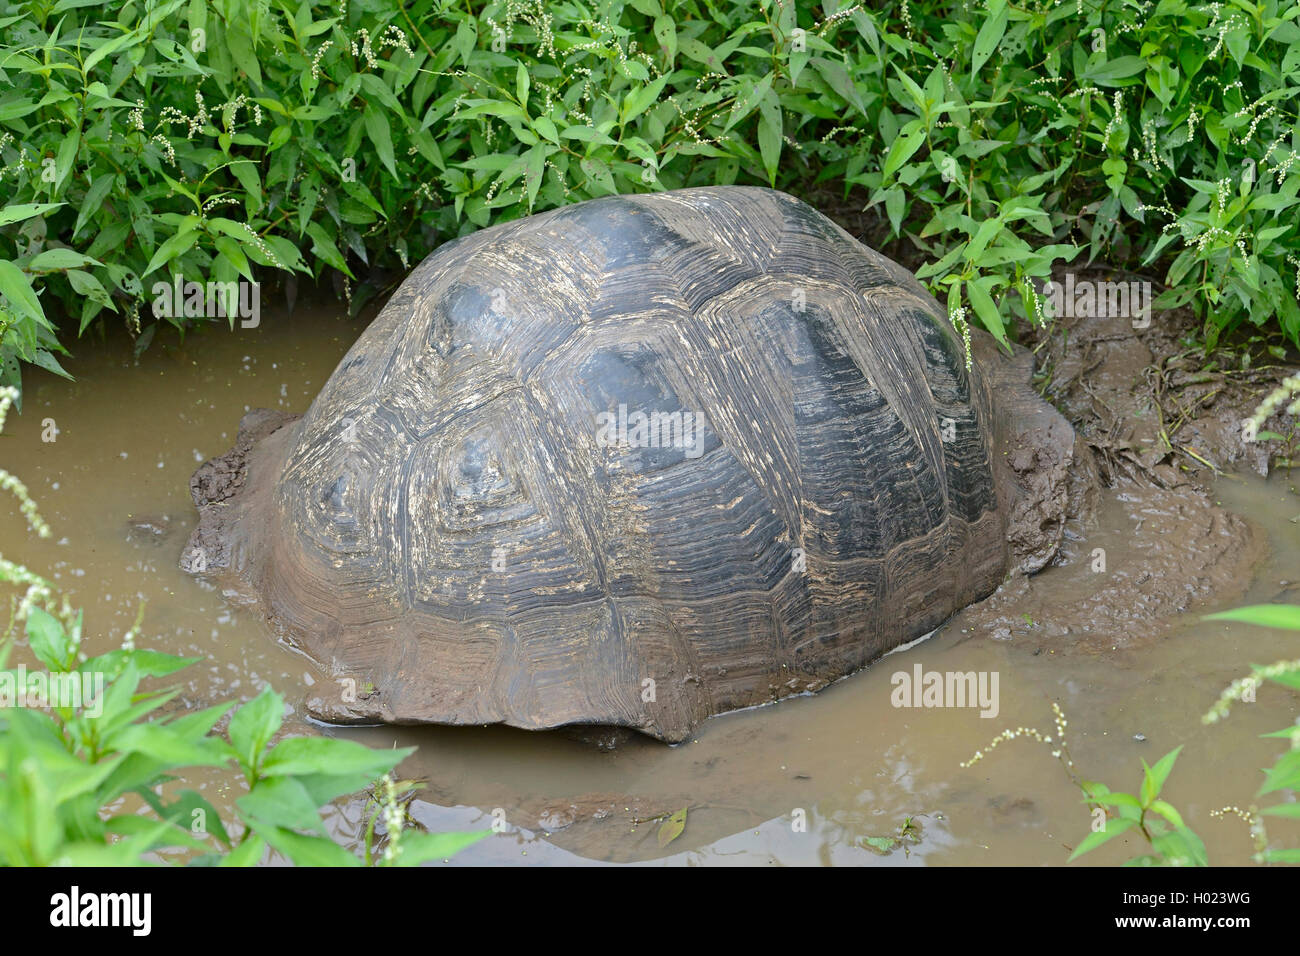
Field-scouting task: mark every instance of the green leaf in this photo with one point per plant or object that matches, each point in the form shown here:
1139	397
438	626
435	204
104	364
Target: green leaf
305	850
1283	775
248	853
1283	616
247	174
281	802
907	142
1114	799
181	812
987	231
106	49
990	35
465	40
770	134
376	87
521	84
146	663
587	135
417	848
54	259
22	211
546	128
1180	847
198	723
750	98
634	104
253	726
1110	71
1167	811
534	169
327	755
324	247
286	252
381	136
672	828
48	640
325	787
171	248
87	286
230	249
895	206
982	303
700	53
597	173
1153	778
665	31
838	79
43	358
1282	856
242	50
163	743
65	158
83	778
17	288
1095	839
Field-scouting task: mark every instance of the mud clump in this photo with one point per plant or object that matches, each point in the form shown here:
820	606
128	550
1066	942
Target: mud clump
1154	408
1163	552
217	481
1154	423
1056	481
149	529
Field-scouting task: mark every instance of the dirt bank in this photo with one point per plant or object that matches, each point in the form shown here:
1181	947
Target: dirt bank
1158	422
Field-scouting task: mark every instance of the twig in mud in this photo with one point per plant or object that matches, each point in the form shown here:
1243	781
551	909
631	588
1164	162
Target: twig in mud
637	821
1208	464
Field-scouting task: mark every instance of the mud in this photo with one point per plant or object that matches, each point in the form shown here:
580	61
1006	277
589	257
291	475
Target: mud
1055	479
1179	551
1152	434
217	481
1155	409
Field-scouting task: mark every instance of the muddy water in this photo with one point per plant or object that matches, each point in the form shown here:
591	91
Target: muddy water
114	487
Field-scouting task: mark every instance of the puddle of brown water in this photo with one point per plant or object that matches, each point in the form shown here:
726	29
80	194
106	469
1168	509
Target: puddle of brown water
131	434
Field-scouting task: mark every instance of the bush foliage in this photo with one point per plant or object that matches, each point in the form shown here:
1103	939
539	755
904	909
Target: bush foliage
65	771
245	138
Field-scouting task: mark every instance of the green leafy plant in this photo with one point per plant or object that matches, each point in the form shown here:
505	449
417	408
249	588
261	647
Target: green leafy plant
1284	776
1171	841
404	844
910	833
64	774
60	768
1283	401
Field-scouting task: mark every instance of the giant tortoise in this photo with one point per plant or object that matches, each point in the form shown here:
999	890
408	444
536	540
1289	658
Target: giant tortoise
633	462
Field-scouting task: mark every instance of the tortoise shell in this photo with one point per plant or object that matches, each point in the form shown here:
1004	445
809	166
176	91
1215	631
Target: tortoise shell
636	461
